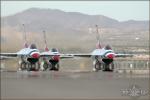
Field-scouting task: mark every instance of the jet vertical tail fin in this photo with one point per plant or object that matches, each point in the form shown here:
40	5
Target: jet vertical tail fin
44	35
25	38
98	45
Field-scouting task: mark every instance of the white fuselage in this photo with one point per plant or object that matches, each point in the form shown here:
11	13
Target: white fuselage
28	53
101	53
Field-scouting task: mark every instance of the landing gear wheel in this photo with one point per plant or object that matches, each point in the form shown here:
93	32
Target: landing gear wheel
33	68
97	66
57	67
37	66
29	68
45	66
23	66
111	67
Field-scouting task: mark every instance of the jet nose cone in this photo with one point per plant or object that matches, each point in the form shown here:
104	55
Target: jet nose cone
35	55
110	55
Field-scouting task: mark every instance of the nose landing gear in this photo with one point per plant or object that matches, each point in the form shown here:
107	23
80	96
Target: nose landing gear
108	67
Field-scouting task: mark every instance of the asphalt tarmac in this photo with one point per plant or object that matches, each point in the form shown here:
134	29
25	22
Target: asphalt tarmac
73	84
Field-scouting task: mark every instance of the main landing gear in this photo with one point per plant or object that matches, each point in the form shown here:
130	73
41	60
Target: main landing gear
29	66
104	65
51	65
33	67
97	66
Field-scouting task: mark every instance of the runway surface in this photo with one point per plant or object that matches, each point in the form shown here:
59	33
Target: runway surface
70	85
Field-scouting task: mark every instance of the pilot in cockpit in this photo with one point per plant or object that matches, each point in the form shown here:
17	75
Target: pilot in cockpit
33	46
107	47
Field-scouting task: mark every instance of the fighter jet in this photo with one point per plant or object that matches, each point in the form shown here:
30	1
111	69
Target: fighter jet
29	56
103	57
51	58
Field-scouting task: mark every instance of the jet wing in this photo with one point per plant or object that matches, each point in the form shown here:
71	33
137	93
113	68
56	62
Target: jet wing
8	54
5	57
62	56
89	55
123	55
48	55
65	56
81	55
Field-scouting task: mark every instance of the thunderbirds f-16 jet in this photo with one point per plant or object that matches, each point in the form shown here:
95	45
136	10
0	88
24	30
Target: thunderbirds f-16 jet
29	56
103	57
51	57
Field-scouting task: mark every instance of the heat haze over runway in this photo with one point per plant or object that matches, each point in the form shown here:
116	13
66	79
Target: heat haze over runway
73	84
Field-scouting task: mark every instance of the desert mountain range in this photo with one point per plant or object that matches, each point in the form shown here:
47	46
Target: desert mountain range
71	31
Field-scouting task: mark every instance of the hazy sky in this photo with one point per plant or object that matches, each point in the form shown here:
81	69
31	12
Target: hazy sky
120	10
